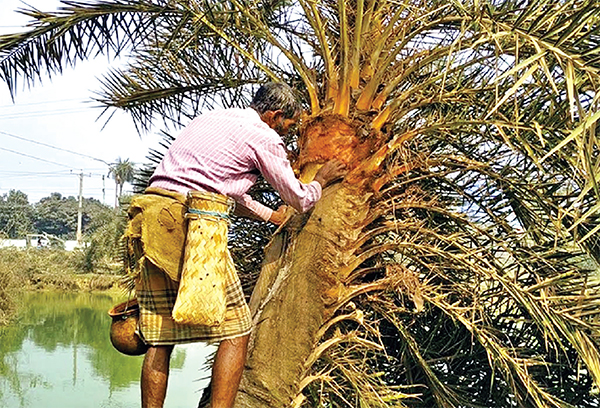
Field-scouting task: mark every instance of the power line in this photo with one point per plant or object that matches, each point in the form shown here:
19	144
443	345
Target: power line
32	176
53	147
45	174
37	158
45	179
43	113
18	105
35	173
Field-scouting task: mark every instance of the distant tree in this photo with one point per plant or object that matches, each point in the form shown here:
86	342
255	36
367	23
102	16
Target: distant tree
57	215
122	171
15	214
99	215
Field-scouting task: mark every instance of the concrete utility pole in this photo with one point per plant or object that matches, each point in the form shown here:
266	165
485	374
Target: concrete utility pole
80	211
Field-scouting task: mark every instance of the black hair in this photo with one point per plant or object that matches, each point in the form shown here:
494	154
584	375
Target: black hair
274	96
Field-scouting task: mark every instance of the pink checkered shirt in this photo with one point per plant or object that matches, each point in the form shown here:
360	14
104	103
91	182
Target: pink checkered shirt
223	151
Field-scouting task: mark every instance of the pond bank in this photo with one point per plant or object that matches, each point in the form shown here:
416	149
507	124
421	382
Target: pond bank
74	282
50	269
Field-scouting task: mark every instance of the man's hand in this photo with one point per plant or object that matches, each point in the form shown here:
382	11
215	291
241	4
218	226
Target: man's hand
279	216
331	171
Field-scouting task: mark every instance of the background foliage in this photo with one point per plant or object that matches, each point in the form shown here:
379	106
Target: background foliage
55	215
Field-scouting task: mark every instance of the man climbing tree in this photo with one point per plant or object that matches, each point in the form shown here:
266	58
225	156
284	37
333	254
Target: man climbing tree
220	154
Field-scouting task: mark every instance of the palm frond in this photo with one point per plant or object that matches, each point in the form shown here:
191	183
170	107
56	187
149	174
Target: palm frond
464	269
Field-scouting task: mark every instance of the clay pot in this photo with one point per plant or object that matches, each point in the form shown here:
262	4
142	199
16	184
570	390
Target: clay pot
122	329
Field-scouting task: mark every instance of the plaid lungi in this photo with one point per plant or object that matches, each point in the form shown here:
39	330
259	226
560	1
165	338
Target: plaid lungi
156	294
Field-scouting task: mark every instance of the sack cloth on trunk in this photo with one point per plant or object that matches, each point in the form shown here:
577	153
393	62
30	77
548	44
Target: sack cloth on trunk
155	239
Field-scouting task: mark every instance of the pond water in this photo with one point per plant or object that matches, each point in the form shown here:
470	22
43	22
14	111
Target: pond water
58	355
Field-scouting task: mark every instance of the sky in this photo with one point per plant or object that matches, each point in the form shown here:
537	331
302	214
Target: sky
51	133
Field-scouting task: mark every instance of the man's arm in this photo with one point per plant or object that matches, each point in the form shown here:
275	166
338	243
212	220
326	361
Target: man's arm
276	217
249	208
271	160
274	165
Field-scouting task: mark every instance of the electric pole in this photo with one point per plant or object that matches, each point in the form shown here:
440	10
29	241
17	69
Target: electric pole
80	210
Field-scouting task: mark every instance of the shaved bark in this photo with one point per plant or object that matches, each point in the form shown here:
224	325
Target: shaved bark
298	289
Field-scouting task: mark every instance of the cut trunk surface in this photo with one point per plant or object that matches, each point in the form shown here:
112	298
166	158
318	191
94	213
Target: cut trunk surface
302	279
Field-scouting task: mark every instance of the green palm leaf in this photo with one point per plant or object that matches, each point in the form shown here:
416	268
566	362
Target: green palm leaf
462	265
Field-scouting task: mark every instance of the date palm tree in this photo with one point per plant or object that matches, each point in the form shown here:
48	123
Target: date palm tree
455	265
122	171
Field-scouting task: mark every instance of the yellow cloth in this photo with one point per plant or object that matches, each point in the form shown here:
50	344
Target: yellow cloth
157	220
155	240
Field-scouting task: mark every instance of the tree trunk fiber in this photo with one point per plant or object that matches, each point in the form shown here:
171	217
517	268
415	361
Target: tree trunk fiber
298	289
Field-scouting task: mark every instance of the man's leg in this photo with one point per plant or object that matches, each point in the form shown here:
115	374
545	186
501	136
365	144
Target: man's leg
155	375
227	371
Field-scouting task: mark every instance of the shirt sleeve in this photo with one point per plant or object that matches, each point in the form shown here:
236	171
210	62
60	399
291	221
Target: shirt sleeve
255	207
272	161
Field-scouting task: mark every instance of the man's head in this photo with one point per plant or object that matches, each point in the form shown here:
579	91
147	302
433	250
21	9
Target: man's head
277	106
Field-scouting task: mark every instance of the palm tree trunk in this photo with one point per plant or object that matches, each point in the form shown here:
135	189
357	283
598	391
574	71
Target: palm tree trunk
299	287
116	194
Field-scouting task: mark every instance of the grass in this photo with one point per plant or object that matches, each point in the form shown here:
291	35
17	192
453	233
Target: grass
49	269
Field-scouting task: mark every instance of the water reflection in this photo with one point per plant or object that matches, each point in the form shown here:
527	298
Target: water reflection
58	354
